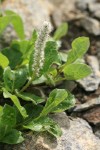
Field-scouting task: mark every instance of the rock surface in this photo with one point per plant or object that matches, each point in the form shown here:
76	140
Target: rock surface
91	25
84	4
91	11
33	12
93	7
91	82
89	104
78	137
97	14
93	115
64	11
97	131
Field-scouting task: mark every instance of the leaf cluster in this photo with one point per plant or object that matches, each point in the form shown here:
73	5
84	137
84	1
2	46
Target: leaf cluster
29	110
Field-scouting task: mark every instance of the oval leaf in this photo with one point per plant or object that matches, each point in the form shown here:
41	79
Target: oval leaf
79	48
61	31
66	104
3	61
55	98
16	101
76	71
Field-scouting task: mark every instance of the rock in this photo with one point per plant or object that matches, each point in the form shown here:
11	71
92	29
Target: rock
33	12
97	131
78	137
67	11
94	63
89	104
87	1
91	25
93	7
98	52
97	14
91	82
68	85
84	4
93	115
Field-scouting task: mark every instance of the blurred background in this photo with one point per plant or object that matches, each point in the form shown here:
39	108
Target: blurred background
83	17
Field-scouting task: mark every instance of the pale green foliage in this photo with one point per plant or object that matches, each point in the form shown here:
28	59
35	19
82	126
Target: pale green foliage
14	19
61	31
28	111
79	48
76	71
3	61
7	123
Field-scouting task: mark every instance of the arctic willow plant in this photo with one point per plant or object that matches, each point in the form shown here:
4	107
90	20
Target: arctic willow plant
27	69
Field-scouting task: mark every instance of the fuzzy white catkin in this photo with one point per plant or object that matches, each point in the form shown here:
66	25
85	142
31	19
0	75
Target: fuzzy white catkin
39	54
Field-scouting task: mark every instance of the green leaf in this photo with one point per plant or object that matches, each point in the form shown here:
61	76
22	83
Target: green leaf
17	23
30	97
14	79
50	79
55	98
63	56
79	48
61	31
55	129
3	61
9	78
15	20
66	104
16	101
34	37
33	112
14	56
24	46
44	124
7	120
51	55
4	21
7	123
1	73
1	109
21	76
13	137
40	80
76	71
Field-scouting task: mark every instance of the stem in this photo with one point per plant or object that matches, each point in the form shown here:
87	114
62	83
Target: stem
27	84
60	80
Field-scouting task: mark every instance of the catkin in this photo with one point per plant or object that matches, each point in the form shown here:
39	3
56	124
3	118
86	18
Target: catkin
39	53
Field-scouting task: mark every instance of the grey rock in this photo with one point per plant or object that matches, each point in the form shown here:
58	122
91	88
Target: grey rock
64	11
91	25
87	1
89	104
94	63
84	4
91	82
97	14
97	132
68	85
93	115
33	12
78	137
98	52
93	7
